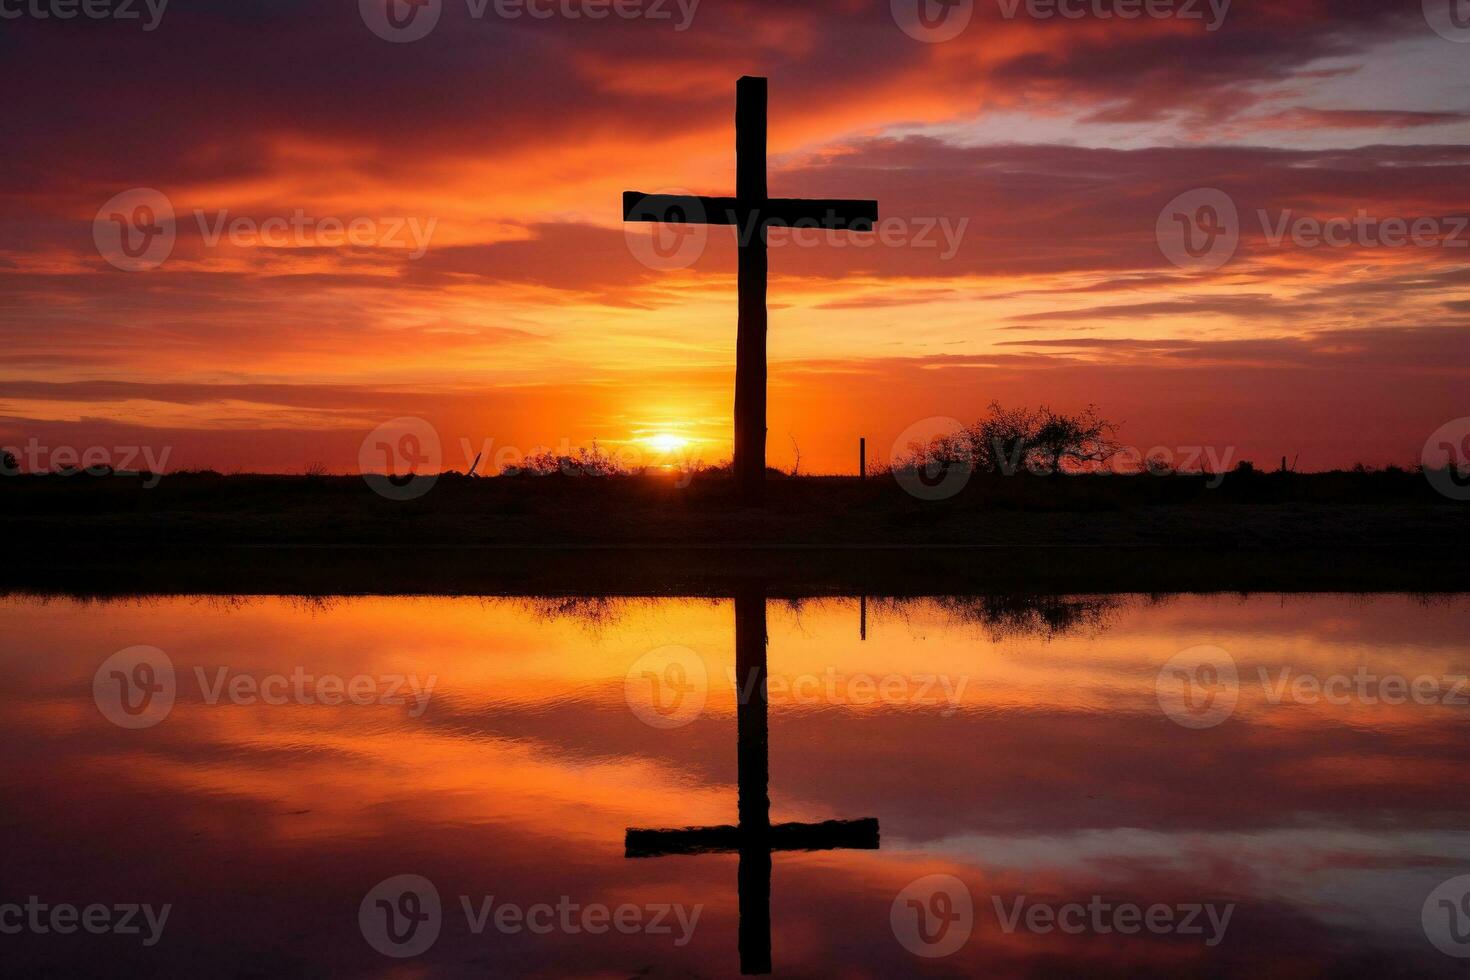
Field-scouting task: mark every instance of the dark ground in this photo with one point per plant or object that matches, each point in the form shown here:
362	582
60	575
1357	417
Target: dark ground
253	534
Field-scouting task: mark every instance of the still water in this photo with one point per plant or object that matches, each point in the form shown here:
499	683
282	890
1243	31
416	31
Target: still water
418	786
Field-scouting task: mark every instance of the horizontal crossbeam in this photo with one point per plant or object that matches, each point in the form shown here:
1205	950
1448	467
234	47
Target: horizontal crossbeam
795	212
829	835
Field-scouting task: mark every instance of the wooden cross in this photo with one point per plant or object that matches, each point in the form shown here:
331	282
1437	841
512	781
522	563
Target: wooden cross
752	212
755	837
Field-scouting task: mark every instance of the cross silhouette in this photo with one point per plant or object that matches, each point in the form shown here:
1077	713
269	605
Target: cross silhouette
752	212
755	837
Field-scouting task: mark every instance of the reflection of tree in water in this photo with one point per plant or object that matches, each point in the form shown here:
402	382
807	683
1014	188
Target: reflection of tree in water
1013	616
595	612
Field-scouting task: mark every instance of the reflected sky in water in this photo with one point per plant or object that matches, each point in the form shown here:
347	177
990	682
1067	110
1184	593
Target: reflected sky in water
1022	747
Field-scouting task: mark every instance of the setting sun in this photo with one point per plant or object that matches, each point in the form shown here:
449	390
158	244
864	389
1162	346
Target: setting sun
665	442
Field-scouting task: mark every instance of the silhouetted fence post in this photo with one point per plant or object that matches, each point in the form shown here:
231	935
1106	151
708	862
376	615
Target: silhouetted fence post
862	459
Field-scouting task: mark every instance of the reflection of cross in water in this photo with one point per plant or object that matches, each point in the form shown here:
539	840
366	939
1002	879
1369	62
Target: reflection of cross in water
755	837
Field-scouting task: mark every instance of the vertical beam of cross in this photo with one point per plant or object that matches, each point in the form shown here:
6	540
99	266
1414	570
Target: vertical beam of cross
750	341
753	767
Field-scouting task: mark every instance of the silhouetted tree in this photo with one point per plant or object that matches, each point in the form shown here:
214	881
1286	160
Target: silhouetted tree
1003	440
1076	440
9	466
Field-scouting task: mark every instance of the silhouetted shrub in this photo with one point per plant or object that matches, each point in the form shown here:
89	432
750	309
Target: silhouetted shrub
1006	441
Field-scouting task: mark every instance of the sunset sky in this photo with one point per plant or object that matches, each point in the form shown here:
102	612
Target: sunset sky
1022	165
